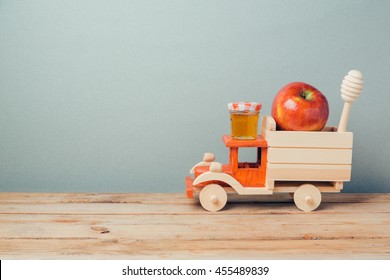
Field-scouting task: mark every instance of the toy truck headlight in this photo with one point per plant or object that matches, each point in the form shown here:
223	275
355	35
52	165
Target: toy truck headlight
208	158
216	167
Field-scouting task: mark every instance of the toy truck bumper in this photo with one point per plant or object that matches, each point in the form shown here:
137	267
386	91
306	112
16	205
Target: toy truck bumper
189	187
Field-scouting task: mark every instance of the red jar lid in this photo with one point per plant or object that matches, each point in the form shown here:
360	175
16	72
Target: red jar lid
244	106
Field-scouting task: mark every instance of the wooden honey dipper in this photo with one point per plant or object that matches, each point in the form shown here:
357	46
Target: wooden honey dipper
351	87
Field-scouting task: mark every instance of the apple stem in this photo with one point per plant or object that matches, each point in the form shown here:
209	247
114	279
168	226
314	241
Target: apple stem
307	94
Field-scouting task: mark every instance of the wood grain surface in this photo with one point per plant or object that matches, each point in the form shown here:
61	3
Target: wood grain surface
171	226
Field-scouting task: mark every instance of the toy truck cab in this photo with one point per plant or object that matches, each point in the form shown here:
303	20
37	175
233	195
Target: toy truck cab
247	174
243	177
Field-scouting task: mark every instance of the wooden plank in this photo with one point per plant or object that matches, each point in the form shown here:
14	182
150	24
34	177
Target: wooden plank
327	138
170	226
191	208
99	208
309	156
309	172
160	198
121	198
136	227
307	247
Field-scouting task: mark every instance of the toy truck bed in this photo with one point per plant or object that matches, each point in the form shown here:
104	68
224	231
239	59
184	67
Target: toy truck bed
320	156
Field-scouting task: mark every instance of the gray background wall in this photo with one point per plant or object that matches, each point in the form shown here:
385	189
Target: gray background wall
125	96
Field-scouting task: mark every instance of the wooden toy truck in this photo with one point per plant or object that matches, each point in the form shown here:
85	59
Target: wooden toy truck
303	163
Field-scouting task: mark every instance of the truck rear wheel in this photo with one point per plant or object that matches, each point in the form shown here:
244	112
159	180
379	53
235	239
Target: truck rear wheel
307	197
213	197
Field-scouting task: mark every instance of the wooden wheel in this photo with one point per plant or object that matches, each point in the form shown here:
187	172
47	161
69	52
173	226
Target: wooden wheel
213	197
307	197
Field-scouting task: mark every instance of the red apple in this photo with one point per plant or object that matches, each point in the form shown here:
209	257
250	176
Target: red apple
300	106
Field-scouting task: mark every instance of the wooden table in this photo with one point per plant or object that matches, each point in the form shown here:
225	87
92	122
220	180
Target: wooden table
171	226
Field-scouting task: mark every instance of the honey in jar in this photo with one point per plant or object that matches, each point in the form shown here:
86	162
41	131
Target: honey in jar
244	118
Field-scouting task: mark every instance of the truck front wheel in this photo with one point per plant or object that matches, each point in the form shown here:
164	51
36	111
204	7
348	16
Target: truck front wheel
213	197
307	197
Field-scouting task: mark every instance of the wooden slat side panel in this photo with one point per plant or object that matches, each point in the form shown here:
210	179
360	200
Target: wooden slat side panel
308	172
310	139
327	138
309	156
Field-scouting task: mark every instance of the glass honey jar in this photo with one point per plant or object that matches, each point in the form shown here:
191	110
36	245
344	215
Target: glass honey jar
244	118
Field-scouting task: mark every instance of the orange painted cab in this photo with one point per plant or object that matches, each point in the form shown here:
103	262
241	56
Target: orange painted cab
249	174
